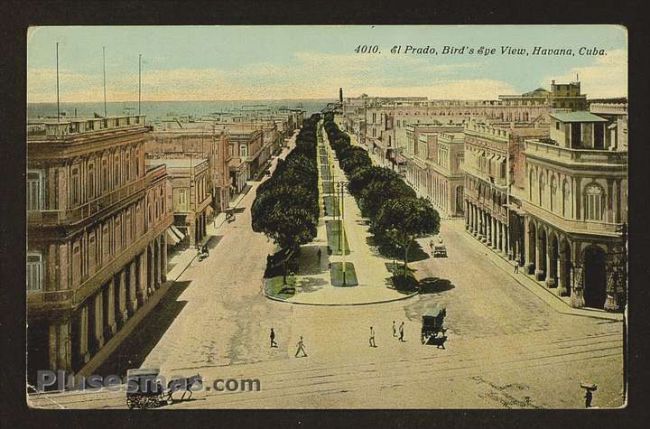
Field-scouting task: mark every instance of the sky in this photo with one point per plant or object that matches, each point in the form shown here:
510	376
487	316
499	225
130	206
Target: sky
289	62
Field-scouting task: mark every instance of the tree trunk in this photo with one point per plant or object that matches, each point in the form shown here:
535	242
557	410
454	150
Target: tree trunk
284	276
406	256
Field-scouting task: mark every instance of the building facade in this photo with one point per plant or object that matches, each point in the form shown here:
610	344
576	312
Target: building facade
493	168
433	165
190	194
96	246
197	140
576	210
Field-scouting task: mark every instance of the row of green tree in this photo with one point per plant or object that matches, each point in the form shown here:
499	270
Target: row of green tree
286	205
396	214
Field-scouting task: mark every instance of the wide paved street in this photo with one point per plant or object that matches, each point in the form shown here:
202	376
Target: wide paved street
507	348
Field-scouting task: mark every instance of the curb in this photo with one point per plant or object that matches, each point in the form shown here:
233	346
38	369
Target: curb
340	305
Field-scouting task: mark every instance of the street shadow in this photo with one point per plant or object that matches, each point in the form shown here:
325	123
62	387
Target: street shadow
308	261
137	346
213	241
383	247
310	284
432	285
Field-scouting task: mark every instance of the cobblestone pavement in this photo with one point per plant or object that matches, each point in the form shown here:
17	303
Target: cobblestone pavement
507	348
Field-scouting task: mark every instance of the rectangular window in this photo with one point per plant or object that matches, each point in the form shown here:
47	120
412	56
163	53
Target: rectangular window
243	150
75	186
34	272
34	191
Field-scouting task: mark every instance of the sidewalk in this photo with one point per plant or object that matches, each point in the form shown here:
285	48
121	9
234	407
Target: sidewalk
557	303
182	259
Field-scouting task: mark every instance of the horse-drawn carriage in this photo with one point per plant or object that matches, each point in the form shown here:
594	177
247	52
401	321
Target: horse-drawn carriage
433	331
145	388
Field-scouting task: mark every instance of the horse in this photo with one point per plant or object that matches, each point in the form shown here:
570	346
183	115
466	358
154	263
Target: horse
185	384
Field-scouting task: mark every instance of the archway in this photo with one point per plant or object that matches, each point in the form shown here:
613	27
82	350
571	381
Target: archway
459	200
595	277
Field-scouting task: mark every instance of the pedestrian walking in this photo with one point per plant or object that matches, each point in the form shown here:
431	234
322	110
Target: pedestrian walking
319	254
394	329
401	332
588	398
273	343
301	348
516	267
372	337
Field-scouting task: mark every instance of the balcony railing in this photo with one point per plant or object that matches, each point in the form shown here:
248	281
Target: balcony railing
67	298
76	214
571	225
586	156
38	130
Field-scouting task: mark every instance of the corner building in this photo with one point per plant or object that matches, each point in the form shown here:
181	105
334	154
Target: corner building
576	210
96	247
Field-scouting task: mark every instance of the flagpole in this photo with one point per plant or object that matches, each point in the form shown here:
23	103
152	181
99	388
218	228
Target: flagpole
139	82
58	107
104	58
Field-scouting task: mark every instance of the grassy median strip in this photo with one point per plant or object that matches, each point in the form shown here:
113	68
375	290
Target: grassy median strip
334	239
331	206
274	287
336	274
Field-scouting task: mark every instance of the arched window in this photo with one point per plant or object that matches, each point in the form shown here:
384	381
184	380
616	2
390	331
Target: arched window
594	202
553	193
566	198
542	186
91	181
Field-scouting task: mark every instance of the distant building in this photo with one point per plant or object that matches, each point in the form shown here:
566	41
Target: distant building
96	242
434	158
175	139
492	164
190	194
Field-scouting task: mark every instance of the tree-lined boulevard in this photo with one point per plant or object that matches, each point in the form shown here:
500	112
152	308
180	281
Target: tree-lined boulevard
507	347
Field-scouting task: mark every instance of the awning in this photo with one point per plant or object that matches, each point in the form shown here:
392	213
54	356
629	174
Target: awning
172	239
177	232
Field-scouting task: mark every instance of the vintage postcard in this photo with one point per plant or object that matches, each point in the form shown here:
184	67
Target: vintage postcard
330	217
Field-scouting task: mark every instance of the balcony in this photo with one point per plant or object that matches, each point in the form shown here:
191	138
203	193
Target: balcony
47	301
48	130
573	226
545	150
77	214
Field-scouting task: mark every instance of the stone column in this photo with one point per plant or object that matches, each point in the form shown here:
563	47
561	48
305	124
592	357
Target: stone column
132	303
551	265
60	344
111	325
577	295
539	273
158	262
563	288
83	334
99	319
163	239
143	281
124	314
611	303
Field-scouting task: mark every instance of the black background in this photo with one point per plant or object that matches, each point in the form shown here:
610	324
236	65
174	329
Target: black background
17	16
